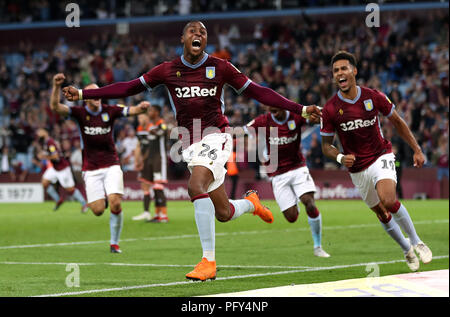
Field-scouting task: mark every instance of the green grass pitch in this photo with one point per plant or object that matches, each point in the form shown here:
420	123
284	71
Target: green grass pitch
36	244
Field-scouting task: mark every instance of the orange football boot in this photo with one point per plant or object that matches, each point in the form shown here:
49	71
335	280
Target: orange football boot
260	210
205	270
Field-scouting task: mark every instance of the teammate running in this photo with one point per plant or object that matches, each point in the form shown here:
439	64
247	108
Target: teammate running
352	113
102	174
58	171
291	181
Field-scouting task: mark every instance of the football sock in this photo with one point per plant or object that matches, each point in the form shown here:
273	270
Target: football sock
79	197
403	219
160	198
316	230
147	200
241	206
392	229
115	226
205	220
51	191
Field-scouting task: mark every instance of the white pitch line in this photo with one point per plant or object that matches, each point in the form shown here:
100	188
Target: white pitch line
155	265
126	288
218	234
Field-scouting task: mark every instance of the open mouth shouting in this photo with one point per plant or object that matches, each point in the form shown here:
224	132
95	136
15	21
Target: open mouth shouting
196	44
343	82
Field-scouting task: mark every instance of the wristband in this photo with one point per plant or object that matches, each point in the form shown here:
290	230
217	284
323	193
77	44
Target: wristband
339	158
80	94
304	113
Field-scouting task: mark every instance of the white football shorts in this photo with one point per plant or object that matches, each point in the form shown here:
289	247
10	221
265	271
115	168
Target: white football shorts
366	180
64	176
290	186
211	152
103	182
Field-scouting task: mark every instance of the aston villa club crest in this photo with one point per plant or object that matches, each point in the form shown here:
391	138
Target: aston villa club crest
341	112
210	72
368	104
88	118
291	125
105	117
178	74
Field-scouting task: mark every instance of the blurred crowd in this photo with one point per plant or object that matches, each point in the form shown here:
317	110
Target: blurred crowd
406	58
50	10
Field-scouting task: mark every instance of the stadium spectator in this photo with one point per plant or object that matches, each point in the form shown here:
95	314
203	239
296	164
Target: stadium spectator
441	158
5	160
419	88
314	156
128	145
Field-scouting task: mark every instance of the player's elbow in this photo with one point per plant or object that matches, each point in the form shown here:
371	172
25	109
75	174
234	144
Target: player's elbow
326	149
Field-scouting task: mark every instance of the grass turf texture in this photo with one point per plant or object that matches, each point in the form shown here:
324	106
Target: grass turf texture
351	234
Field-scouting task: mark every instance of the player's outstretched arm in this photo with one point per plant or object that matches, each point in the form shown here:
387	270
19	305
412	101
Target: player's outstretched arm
55	105
330	151
406	134
142	107
113	91
271	98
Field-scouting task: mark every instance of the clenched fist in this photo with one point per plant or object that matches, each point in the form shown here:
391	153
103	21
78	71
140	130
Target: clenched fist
143	105
70	93
348	160
313	113
58	79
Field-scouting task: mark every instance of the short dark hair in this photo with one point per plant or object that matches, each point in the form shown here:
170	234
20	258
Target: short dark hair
344	55
189	23
157	107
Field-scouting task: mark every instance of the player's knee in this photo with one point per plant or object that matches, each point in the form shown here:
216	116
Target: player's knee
382	214
114	202
383	217
70	190
223	211
308	201
389	202
97	210
291	214
222	217
195	189
115	206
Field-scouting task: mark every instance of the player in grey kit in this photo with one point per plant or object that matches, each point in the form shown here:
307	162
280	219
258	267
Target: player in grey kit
102	174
